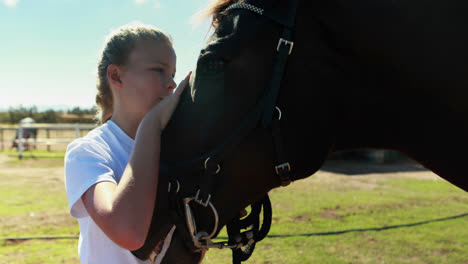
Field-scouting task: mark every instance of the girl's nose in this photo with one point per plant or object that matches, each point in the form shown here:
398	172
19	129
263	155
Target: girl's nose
172	85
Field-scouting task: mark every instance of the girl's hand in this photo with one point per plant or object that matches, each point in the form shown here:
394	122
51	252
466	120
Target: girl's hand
164	109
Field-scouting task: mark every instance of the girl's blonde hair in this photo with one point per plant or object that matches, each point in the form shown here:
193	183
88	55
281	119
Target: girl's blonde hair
118	46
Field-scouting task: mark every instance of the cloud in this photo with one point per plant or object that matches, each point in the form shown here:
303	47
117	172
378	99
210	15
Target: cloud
156	3
10	3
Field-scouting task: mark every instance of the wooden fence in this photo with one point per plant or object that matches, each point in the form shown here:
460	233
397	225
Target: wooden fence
47	135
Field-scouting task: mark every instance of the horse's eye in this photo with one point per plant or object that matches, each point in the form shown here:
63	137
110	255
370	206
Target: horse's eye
212	65
217	18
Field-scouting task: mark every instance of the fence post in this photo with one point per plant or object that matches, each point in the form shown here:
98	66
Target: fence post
1	130
48	136
35	138
77	130
20	141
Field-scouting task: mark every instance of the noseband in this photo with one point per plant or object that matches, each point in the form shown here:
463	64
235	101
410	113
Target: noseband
263	111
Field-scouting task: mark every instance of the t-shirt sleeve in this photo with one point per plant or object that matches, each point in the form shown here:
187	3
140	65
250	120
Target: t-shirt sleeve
86	163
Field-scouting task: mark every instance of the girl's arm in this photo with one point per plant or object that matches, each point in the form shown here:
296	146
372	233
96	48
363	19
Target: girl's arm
123	211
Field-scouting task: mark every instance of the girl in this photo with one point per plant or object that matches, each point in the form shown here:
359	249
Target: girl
111	174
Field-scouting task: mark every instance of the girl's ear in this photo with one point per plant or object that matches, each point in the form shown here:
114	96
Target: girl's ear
113	76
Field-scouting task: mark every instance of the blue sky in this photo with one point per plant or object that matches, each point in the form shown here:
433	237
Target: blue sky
49	48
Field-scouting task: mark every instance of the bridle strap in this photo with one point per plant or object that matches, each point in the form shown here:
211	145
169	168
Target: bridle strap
284	49
265	13
283	168
262	111
269	100
265	107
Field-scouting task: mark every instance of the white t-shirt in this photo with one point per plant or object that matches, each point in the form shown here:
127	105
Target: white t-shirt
102	155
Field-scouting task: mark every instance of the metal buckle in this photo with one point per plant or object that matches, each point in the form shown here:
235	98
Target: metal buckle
200	201
282	167
285	42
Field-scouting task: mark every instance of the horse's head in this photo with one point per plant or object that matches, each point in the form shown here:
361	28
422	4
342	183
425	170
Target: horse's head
345	78
216	141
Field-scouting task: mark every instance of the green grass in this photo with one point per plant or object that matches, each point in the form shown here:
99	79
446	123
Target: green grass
33	203
39	252
322	219
36	154
35	158
399	221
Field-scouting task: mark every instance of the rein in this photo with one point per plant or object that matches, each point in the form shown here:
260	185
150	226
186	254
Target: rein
263	111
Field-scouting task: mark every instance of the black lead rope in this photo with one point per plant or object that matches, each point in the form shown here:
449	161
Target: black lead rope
250	237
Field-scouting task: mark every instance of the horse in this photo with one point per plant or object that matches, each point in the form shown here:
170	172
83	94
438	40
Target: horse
351	75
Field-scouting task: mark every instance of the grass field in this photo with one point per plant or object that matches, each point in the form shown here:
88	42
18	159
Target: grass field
33	204
397	214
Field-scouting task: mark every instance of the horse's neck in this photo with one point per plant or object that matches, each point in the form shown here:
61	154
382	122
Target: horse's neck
371	62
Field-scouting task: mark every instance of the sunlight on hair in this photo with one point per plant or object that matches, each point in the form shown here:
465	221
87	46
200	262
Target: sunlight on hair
130	25
203	18
10	3
201	15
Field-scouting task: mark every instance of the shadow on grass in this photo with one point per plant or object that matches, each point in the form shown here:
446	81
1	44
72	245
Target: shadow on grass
36	155
26	156
359	167
366	229
367	161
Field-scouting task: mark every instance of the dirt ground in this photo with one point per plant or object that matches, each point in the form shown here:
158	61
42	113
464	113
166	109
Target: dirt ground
34	169
364	174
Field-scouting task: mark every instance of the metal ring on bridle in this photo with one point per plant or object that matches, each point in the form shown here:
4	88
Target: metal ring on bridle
191	224
206	165
279	112
169	186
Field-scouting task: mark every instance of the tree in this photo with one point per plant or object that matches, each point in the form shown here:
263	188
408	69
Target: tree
20	112
49	116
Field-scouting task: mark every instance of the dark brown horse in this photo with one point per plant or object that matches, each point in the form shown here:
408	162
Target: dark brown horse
362	74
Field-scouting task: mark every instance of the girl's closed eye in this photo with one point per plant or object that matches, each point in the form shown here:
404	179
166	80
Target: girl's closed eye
158	69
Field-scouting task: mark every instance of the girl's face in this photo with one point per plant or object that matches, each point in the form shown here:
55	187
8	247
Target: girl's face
148	76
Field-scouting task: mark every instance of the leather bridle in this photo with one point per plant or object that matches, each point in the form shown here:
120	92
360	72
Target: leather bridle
263	111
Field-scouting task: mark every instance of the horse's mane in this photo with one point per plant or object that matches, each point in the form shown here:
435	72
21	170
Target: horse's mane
216	8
